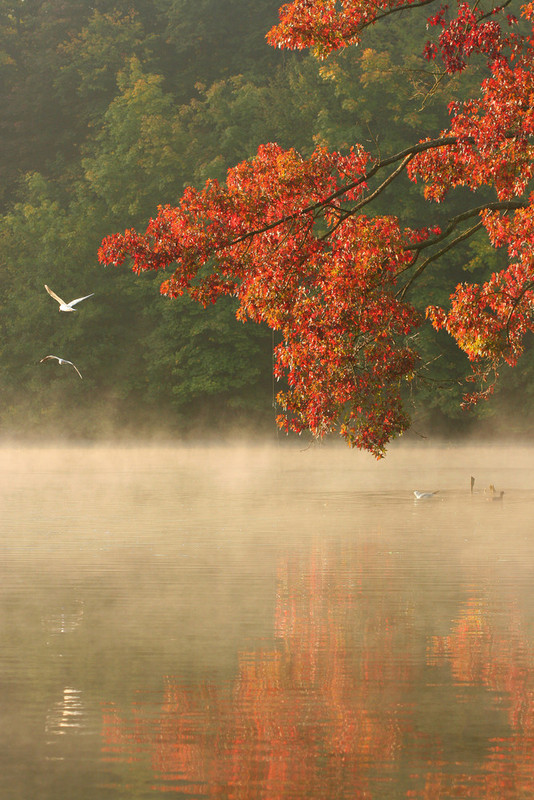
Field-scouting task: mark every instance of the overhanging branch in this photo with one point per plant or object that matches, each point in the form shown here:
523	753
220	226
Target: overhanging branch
465	235
390	11
370	197
502	205
406	154
510	205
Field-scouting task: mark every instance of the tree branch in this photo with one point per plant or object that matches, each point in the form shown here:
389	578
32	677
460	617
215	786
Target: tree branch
495	10
503	205
509	205
346	214
412	151
387	13
465	235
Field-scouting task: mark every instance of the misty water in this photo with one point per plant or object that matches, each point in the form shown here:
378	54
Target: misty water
246	622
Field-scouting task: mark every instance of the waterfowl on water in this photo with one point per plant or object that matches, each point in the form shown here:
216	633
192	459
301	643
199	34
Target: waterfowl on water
490	491
423	495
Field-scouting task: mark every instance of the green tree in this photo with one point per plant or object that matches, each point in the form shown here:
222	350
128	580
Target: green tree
221	38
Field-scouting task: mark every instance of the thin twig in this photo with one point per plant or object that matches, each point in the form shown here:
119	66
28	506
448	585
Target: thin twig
369	197
465	235
501	205
414	150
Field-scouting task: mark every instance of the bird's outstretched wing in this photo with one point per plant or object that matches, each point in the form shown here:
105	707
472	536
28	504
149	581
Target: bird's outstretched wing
62	361
54	295
75	367
79	300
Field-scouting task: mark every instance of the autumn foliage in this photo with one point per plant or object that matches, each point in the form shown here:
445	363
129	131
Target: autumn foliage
291	238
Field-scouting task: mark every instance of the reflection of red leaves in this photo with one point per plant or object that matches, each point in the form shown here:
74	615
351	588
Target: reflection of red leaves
269	731
481	655
338	698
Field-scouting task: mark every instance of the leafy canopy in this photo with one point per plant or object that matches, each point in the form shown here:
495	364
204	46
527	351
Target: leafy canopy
295	239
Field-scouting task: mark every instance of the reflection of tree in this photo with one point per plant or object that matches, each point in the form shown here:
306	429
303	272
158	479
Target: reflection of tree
497	658
333	710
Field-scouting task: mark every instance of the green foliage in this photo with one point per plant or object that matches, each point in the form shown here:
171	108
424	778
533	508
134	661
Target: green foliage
220	39
131	163
92	59
196	355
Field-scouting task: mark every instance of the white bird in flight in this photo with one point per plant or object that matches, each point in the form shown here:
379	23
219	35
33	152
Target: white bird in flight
61	361
63	306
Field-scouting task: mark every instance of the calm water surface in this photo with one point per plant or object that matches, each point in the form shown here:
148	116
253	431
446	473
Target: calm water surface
252	623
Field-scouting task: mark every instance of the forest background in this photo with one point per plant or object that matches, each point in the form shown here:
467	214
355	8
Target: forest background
111	108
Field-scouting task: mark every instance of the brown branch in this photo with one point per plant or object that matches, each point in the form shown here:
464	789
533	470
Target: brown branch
453	223
346	213
465	235
510	205
502	205
495	10
437	81
407	7
412	151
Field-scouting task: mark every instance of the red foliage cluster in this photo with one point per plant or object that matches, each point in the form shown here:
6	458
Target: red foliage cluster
329	24
469	33
492	149
286	236
325	281
489	321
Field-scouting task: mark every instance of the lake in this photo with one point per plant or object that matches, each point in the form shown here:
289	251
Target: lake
253	622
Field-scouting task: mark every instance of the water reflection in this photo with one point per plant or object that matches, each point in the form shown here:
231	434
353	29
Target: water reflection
63	620
272	625
66	715
346	704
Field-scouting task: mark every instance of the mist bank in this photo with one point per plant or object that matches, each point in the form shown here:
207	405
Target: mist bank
74	412
480	436
330	474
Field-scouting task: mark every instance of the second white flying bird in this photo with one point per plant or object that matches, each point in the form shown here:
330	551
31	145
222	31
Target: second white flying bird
61	362
63	306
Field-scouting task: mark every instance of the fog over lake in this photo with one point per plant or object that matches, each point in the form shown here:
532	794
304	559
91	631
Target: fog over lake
266	622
